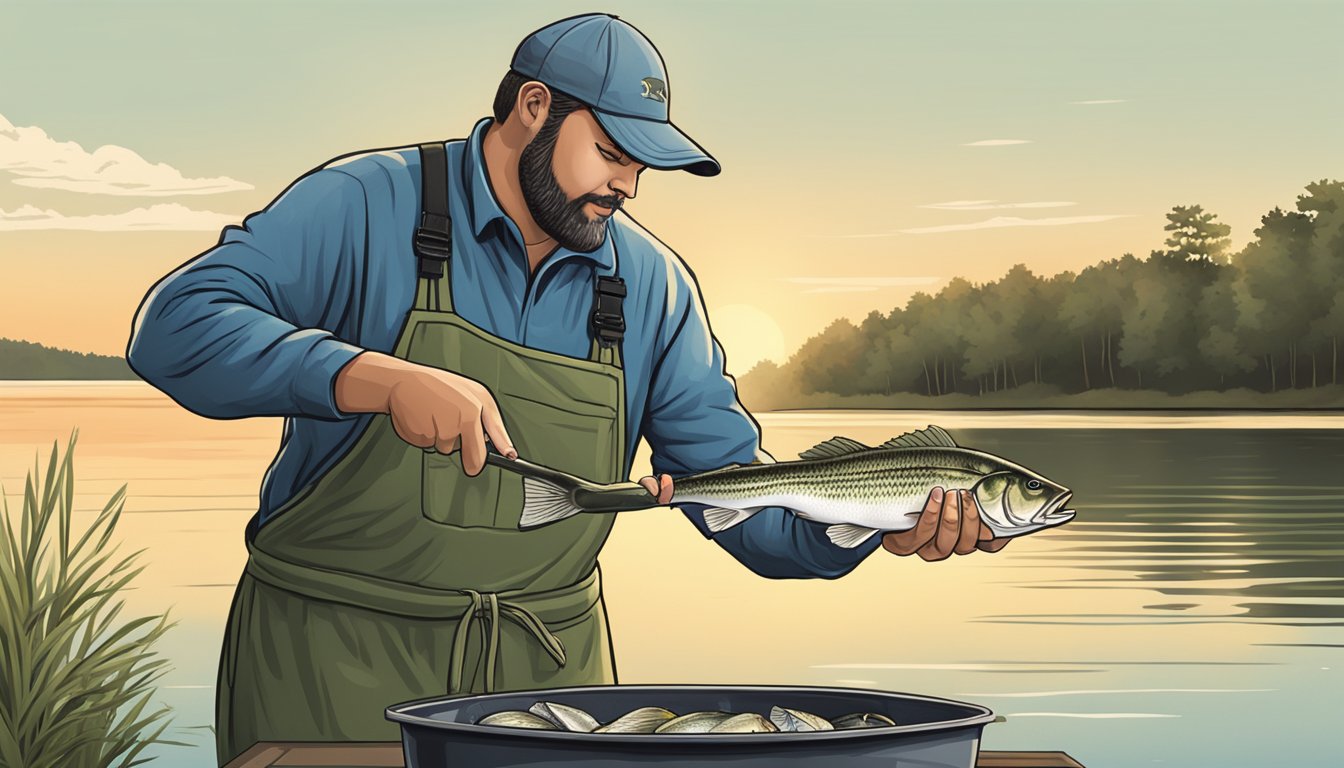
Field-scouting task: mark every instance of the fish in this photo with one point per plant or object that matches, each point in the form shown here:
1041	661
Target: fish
548	715
564	717
747	722
862	720
796	720
642	720
693	722
856	490
518	719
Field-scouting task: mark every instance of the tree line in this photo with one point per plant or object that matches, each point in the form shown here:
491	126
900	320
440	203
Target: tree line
1192	316
28	360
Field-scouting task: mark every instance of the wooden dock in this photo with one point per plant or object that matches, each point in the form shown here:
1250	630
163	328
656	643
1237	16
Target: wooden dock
388	755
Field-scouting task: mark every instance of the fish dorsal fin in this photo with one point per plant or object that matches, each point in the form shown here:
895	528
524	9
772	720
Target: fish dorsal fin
933	437
836	446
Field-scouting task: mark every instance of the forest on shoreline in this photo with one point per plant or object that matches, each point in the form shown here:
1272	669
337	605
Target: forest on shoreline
29	361
1191	323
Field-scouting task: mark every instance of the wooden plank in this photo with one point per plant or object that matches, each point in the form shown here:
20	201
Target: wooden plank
389	755
363	755
1026	760
260	755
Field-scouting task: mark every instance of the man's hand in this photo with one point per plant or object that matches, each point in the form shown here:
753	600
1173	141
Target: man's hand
949	523
430	407
660	488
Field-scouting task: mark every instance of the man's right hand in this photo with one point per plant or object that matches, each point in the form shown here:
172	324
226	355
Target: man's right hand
430	407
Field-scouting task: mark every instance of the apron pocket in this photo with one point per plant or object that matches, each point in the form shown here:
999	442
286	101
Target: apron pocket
451	497
574	436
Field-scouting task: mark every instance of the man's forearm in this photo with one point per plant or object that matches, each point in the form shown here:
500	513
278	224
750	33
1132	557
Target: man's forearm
261	324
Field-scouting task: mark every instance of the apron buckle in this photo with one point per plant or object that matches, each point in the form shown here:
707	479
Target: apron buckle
608	317
433	244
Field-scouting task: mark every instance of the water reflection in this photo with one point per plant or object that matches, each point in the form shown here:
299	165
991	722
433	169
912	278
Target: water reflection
1200	582
1171	525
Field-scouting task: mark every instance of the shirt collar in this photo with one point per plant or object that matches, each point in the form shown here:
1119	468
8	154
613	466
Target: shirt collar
483	208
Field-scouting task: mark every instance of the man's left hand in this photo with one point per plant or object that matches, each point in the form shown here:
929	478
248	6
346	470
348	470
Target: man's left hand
660	488
949	523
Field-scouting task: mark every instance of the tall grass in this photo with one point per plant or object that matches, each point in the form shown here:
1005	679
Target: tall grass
75	681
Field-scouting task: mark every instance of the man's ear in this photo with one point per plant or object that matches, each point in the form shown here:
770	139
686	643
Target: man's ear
533	105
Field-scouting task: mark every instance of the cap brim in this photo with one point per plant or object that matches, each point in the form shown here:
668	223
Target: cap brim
657	144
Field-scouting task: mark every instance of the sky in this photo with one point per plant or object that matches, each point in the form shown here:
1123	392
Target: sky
870	150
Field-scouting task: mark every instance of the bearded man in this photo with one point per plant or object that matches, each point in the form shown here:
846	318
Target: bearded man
400	306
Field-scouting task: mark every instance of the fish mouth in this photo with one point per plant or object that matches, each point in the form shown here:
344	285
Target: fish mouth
1055	513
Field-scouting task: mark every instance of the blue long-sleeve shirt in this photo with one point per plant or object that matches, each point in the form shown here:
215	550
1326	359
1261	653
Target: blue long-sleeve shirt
261	324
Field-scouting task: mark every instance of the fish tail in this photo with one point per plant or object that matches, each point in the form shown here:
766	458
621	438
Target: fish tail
545	502
550	495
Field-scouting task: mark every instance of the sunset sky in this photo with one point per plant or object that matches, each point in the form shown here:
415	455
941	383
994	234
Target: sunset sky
870	149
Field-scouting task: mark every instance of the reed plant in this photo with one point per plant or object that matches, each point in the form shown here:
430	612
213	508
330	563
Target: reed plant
76	679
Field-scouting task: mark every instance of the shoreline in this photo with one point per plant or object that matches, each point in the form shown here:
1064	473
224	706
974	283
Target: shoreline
1327	400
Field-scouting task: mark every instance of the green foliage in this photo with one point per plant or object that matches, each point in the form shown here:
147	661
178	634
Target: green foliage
1195	234
1184	320
75	682
26	360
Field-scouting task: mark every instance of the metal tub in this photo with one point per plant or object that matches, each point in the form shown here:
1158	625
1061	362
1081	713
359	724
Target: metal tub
931	733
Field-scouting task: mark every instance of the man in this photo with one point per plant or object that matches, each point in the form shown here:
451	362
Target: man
400	306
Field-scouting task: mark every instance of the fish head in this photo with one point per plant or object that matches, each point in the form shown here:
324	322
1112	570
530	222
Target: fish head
1016	500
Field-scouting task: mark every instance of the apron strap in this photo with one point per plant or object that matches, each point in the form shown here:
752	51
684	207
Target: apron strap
488	606
433	243
433	239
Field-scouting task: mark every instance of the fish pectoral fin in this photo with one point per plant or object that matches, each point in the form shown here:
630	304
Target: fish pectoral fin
848	535
722	518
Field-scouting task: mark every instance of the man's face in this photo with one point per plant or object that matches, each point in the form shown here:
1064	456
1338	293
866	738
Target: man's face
574	178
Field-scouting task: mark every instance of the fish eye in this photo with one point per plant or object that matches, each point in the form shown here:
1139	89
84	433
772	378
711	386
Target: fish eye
1033	485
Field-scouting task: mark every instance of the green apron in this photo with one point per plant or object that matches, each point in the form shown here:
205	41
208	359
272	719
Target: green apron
395	576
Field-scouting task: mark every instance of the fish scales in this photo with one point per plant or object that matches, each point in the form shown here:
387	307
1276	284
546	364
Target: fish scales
882	475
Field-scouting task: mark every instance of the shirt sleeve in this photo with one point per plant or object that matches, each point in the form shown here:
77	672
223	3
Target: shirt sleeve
695	423
247	328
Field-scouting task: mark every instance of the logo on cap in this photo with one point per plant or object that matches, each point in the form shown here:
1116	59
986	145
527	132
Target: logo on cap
654	89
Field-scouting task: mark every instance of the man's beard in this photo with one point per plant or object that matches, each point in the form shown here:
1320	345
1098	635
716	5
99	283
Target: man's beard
557	215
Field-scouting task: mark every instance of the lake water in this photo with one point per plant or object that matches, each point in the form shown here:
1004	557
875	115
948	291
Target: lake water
1192	613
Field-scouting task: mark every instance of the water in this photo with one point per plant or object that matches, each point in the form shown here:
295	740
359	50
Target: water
1192	614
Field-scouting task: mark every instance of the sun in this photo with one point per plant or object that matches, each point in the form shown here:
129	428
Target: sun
748	336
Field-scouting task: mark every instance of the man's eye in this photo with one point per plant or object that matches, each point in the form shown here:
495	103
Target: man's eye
607	155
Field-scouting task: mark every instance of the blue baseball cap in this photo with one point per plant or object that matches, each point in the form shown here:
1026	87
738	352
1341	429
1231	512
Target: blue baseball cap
614	69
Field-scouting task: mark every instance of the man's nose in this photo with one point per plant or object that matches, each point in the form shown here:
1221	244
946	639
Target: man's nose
626	183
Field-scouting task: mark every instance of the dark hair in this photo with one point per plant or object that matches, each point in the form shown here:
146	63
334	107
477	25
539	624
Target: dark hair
561	103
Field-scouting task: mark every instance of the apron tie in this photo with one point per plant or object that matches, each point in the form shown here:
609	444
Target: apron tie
488	606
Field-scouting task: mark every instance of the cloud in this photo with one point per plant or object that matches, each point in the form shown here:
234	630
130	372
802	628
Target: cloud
996	142
858	284
983	205
45	163
161	217
1015	221
1101	101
